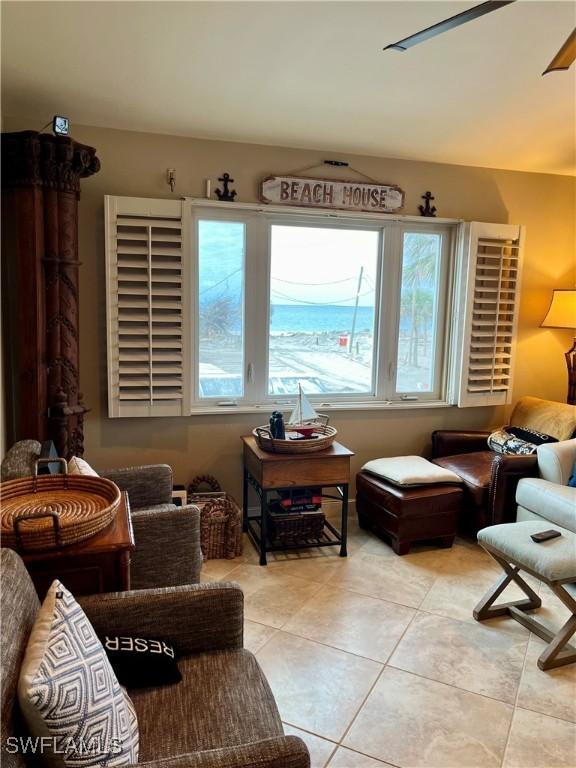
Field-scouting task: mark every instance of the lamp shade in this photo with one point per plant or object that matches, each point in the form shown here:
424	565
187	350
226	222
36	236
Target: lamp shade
562	310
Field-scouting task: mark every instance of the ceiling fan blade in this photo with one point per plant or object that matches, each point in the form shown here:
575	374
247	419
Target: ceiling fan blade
451	23
565	56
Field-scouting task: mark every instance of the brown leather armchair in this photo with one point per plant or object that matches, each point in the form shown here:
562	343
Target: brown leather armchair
489	478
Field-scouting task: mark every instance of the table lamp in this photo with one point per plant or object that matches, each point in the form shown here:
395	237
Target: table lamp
562	314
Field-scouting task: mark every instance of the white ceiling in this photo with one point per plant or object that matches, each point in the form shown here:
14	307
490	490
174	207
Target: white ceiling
303	74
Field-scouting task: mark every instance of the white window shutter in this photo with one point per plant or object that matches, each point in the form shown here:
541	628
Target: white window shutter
146	329
488	300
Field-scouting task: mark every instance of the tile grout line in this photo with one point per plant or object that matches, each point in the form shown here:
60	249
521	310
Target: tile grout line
363	754
340	742
429	612
311	733
515	705
545	714
450	685
335	648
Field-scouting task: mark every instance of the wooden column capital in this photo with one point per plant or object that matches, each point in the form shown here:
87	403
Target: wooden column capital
32	159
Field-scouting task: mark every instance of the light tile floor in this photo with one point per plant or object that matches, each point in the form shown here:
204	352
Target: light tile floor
376	660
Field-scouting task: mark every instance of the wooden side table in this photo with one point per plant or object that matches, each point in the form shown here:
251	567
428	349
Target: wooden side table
268	472
98	564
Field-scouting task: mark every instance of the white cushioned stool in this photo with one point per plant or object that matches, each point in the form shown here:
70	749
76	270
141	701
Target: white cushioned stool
552	562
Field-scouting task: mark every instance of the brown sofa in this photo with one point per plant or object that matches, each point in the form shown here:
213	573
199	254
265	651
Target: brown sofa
221	715
489	478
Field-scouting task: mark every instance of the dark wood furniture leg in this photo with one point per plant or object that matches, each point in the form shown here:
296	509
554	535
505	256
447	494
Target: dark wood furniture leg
344	523
245	501
263	525
400	547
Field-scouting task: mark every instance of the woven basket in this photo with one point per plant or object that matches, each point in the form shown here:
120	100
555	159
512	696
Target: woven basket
295	527
266	442
220	519
53	511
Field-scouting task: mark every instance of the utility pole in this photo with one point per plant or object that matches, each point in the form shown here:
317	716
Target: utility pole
352	332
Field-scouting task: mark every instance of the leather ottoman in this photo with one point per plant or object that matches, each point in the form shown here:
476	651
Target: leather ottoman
406	514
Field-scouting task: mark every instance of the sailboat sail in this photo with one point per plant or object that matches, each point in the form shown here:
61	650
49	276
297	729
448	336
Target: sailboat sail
303	411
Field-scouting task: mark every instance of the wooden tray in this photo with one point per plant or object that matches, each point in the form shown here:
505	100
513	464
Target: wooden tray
266	442
55	510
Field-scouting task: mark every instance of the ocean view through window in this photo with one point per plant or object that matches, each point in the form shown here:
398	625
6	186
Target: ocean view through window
322	310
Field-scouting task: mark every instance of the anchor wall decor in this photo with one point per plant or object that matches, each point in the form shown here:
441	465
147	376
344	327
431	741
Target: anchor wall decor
225	194
427	209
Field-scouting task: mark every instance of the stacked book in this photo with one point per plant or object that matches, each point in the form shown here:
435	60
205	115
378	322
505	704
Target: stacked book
298	500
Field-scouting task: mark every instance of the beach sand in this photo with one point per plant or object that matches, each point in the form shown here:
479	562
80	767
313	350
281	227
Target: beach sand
324	359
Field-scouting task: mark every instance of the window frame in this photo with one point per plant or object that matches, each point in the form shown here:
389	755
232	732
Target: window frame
442	330
342	223
195	279
258	221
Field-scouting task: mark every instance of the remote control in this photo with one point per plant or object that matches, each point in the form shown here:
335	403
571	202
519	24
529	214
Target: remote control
545	535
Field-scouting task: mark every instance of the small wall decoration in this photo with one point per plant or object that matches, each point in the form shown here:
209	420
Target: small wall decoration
225	194
427	209
171	178
329	193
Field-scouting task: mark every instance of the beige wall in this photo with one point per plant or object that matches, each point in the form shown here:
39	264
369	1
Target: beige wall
135	164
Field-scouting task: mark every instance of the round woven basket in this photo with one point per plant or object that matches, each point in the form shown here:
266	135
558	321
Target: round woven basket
56	510
268	443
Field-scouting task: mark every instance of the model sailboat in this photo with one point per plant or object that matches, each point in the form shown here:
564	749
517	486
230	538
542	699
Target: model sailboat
305	432
303	418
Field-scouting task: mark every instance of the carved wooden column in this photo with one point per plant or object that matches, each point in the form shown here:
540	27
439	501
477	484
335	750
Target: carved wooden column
41	187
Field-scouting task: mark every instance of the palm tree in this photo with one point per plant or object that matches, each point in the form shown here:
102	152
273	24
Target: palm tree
418	278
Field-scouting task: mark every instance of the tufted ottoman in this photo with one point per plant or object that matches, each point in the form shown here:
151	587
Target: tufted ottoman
407	512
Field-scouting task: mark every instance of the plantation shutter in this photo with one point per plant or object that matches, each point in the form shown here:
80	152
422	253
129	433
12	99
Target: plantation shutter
147	335
489	296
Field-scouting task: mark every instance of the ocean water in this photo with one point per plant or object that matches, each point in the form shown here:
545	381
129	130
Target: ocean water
293	318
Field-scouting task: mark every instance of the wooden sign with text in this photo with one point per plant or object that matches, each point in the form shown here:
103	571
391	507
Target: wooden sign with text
328	193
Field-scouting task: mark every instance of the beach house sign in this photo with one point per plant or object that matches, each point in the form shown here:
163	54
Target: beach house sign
328	193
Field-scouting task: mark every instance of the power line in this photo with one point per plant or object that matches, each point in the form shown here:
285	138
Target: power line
297	282
277	294
224	279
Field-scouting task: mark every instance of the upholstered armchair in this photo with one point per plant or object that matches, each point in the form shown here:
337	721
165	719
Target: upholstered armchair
167	537
221	715
548	496
489	478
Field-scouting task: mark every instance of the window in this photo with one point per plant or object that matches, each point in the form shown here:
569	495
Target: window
222	306
352	310
323	291
421	318
221	254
